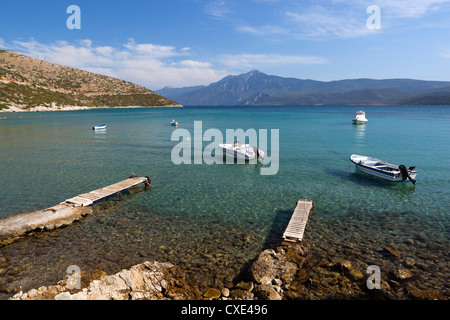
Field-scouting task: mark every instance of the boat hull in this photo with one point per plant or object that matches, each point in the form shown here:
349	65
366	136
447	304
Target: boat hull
245	153
100	127
360	118
380	169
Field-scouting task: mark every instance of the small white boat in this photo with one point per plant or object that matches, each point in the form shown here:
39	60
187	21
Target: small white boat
174	123
242	151
99	127
360	117
384	170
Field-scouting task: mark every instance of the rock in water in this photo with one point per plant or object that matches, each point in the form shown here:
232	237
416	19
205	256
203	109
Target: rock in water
212	293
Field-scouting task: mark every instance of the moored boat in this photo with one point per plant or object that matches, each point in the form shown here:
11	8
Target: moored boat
360	117
174	123
384	170
242	151
99	127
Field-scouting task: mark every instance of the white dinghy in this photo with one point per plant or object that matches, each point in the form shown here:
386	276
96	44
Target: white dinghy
384	170
242	151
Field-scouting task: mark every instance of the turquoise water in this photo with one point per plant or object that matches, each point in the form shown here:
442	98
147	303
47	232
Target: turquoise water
231	210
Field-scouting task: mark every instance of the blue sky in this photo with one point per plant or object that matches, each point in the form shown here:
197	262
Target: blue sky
192	42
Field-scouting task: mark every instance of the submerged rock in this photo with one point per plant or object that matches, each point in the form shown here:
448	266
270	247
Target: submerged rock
391	252
266	292
271	265
212	293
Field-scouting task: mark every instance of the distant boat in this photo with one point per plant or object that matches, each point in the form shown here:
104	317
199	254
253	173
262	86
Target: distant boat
360	118
384	170
99	127
174	123
242	151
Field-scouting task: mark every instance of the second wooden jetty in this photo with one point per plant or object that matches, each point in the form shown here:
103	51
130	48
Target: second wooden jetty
296	227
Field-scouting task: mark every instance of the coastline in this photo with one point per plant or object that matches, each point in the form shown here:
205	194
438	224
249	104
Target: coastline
290	272
12	109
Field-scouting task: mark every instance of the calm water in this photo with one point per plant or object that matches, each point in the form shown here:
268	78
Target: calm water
219	217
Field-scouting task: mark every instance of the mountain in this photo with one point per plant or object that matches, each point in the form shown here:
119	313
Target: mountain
27	82
257	88
439	96
177	92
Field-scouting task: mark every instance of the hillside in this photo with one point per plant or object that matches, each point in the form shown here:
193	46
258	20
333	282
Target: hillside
257	88
27	82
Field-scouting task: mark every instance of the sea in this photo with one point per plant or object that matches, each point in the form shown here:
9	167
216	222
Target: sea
213	219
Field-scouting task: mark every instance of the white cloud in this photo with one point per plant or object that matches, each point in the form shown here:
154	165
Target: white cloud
193	64
313	21
408	8
152	50
318	22
2	44
249	61
339	18
153	66
217	9
263	30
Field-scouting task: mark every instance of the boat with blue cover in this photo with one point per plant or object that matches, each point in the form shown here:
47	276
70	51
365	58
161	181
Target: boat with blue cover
99	127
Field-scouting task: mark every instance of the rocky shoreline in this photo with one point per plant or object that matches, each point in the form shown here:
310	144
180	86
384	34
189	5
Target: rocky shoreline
290	272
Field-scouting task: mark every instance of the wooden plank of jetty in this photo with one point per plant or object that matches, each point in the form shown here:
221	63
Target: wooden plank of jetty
296	227
87	199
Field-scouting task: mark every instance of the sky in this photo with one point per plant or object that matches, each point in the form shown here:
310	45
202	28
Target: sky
178	43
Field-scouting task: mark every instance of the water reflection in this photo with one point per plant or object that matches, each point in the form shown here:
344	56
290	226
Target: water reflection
360	133
100	134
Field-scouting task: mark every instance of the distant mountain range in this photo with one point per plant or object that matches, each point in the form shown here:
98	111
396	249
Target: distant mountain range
27	83
258	89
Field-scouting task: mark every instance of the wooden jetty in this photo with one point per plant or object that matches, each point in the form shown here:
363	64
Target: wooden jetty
87	199
63	214
296	227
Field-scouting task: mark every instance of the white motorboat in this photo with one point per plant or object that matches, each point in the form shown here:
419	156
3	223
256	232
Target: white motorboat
384	170
360	117
242	151
99	127
174	123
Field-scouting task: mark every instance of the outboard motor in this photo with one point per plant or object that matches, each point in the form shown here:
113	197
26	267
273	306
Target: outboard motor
405	173
256	151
